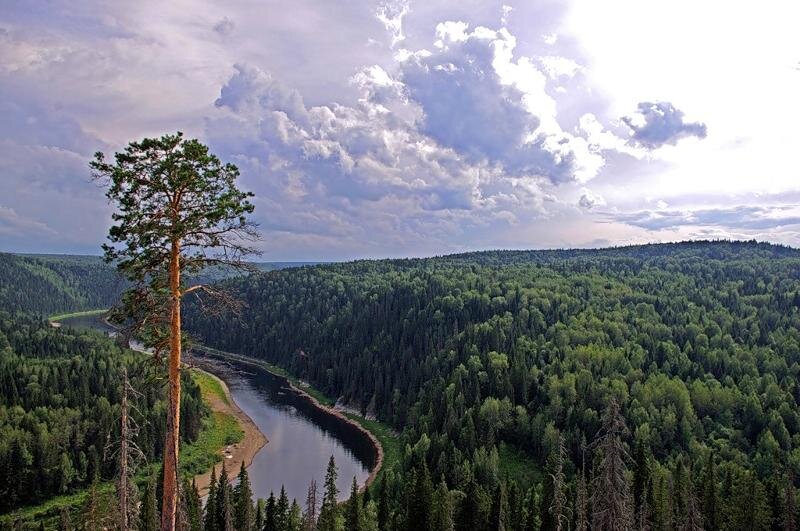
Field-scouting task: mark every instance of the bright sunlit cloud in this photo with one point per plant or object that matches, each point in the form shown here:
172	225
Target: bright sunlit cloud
411	128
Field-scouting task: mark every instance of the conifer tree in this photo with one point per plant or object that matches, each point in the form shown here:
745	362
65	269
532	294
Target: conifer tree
224	502
516	507
282	510
243	502
383	503
419	499
497	519
471	514
692	517
710	500
641	479
555	511
611	498
442	516
532	519
295	517
370	520
178	211
194	509
148	513
789	505
352	511
211	514
329	513
310	514
258	524
271	514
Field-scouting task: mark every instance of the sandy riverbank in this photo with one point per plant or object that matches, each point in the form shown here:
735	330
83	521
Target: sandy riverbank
376	445
234	455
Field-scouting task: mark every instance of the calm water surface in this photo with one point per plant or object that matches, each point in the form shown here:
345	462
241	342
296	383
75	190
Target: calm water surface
301	438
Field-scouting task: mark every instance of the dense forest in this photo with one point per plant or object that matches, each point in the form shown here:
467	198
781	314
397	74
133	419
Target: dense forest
648	387
60	410
653	385
47	284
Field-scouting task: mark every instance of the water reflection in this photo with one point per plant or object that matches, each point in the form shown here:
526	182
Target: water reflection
301	437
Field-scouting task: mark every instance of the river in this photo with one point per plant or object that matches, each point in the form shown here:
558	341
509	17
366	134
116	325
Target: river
301	437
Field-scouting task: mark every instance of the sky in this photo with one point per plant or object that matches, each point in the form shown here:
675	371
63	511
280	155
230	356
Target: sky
413	128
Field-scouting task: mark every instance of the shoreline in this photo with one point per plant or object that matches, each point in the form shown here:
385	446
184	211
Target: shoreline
244	451
233	455
330	410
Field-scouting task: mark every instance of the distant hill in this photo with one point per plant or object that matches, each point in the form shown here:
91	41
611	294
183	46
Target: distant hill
56	283
50	283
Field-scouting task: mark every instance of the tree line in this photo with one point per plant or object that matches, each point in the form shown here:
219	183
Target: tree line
60	400
696	343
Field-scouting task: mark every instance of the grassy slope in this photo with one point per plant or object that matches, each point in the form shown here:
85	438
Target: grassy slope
87	313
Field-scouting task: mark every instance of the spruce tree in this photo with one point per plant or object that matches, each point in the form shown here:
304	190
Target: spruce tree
211	513
419	500
148	513
310	514
194	511
352	511
224	502
555	510
271	514
532	519
329	513
243	502
258	524
612	506
710	502
295	517
497	519
383	503
442	516
282	510
516	507
471	513
789	505
64	522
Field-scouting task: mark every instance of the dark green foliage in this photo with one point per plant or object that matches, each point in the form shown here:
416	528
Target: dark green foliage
352	510
329	513
282	510
696	342
60	406
243	502
194	506
44	285
271	514
211	516
149	518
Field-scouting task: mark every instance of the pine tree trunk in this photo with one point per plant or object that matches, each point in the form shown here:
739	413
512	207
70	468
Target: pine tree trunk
123	456
170	498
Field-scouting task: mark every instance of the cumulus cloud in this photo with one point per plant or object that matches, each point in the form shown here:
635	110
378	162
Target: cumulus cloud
487	104
590	199
353	173
656	124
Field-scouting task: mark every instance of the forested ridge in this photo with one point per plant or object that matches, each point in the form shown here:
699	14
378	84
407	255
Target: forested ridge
655	383
47	284
60	411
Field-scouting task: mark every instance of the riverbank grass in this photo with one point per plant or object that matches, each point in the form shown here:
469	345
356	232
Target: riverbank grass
85	313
